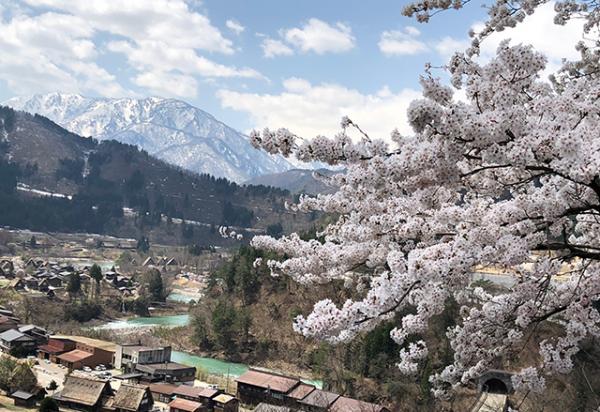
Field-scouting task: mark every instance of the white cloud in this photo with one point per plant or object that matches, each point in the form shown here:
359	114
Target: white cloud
447	46
49	52
309	110
235	26
168	83
397	43
154	56
539	30
320	37
272	48
170	22
55	44
554	41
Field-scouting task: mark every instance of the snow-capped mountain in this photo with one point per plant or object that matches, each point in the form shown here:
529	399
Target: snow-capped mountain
169	129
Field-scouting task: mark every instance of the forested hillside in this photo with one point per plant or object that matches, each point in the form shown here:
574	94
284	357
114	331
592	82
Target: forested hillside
58	181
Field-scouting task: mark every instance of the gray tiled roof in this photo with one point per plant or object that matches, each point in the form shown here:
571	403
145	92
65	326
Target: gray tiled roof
12	335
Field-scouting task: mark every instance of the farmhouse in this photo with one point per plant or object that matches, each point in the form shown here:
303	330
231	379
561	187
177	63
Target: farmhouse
133	398
23	399
13	340
162	392
318	401
83	394
343	404
255	386
193	393
225	403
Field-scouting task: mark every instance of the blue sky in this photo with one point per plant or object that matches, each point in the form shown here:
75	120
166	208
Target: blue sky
300	64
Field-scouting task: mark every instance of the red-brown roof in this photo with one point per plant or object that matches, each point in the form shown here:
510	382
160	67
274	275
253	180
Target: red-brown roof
50	349
185	405
320	399
343	404
74	355
195	391
301	391
162	388
267	380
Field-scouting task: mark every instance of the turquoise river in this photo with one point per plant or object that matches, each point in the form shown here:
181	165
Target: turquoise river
209	365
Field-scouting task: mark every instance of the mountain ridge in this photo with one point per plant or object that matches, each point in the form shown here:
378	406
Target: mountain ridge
171	129
54	180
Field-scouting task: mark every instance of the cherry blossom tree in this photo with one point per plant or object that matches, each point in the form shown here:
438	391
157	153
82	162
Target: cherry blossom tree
509	178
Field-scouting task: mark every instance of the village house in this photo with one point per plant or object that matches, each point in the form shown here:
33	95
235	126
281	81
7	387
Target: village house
12	340
6	273
23	399
32	264
39	334
172	262
133	398
203	396
16	284
8	322
162	392
7	266
31	282
83	394
265	407
6	312
318	401
54	348
225	403
149	262
110	275
184	405
299	392
255	386
167	372
88	352
343	404
273	390
121	281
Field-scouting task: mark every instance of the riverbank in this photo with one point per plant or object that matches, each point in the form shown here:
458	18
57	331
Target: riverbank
207	366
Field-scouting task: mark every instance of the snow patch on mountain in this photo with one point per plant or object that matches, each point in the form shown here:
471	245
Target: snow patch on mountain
169	129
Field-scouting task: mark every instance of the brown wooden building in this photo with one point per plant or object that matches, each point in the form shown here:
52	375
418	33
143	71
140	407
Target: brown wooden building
84	394
23	399
55	347
133	398
255	386
162	392
184	405
318	401
196	394
225	403
343	404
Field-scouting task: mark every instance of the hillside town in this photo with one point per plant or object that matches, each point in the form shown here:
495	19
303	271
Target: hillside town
75	372
86	374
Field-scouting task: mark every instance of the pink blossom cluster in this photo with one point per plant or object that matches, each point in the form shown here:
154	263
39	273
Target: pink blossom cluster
508	179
